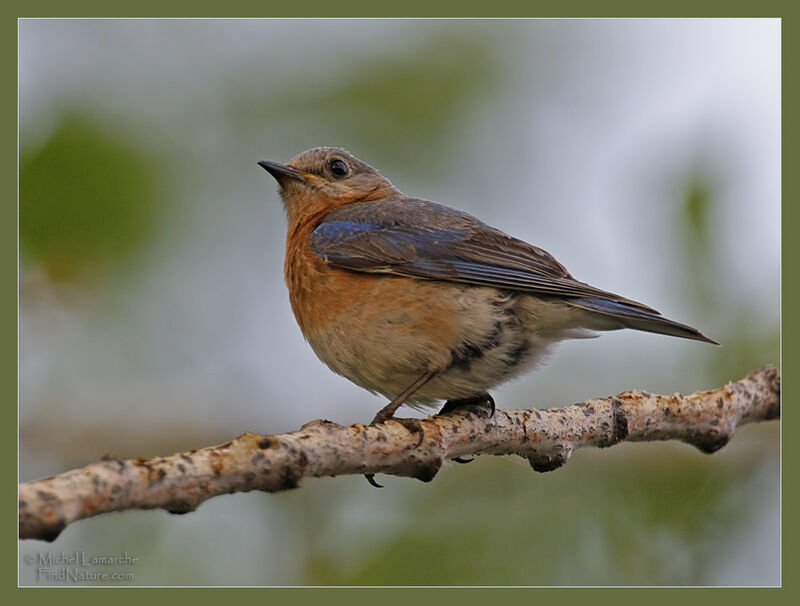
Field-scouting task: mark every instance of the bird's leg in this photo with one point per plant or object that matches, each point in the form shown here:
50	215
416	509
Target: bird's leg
387	412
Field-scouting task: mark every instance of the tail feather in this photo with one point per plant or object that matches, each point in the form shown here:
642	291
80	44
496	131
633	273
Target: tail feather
639	319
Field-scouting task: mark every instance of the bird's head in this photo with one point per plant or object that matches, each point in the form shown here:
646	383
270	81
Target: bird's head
324	178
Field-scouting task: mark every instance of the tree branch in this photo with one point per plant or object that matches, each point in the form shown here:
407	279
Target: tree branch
181	482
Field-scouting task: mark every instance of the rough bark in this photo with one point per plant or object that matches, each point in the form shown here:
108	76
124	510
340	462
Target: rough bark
546	438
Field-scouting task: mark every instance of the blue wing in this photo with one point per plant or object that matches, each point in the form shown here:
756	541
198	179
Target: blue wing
421	239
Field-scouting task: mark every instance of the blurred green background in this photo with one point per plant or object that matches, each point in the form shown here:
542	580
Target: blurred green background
645	155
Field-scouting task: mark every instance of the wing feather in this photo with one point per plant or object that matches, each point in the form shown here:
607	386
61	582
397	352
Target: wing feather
421	239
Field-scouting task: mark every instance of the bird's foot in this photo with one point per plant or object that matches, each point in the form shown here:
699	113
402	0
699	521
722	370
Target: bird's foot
482	404
478	404
412	425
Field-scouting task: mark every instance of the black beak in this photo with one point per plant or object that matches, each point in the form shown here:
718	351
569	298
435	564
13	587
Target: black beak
281	171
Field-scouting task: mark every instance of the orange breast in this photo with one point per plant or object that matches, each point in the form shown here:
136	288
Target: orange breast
327	299
370	324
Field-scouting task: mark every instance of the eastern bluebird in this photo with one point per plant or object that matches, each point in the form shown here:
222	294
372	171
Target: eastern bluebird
421	302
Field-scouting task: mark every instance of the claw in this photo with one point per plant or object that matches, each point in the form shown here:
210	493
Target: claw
491	403
371	479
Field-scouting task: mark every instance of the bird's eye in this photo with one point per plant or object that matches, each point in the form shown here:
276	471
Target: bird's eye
339	168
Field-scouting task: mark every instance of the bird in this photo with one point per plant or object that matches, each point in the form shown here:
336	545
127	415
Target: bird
423	303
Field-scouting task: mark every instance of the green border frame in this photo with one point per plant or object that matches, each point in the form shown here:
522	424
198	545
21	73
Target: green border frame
410	8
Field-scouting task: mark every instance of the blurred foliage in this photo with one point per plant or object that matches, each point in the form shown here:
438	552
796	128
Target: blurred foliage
87	200
745	347
645	519
400	104
697	204
699	200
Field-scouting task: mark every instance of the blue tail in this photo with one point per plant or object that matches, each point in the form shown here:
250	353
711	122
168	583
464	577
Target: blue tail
639	318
